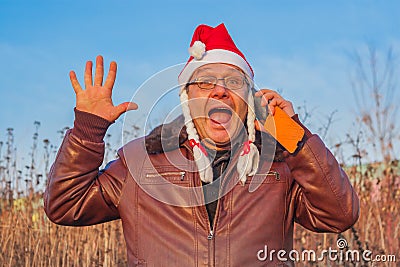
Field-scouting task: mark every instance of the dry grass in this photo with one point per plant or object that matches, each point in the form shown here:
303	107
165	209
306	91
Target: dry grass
28	238
377	229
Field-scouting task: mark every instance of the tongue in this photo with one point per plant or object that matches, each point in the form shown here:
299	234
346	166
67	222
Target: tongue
220	117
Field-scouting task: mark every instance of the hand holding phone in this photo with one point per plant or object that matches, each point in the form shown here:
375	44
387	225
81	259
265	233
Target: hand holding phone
284	129
280	125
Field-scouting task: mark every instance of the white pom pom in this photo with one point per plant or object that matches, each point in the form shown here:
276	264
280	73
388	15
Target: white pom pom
197	50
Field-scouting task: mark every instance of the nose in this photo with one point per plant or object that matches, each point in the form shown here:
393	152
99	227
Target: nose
219	89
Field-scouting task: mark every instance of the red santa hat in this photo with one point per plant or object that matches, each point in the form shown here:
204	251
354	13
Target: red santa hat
215	45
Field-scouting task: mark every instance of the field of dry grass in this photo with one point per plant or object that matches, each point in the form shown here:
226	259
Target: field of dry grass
377	229
28	238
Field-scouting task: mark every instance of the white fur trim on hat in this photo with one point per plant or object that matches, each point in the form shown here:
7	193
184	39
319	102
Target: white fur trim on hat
214	56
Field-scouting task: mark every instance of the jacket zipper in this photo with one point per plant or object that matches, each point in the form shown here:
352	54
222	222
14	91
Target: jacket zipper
211	229
277	176
211	237
152	175
211	233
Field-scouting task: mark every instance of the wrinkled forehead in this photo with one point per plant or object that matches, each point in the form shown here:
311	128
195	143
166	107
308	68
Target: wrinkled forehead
218	69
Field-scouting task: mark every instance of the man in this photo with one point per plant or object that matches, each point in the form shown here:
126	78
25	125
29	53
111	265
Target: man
183	192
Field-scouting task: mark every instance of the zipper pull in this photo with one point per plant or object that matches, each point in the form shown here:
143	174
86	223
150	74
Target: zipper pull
210	235
277	176
182	176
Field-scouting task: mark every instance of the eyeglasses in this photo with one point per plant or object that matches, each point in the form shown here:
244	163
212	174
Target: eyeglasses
209	82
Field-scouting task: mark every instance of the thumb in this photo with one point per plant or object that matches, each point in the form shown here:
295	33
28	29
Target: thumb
259	126
124	107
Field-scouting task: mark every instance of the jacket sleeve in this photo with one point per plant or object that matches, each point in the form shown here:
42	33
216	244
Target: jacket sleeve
324	199
77	192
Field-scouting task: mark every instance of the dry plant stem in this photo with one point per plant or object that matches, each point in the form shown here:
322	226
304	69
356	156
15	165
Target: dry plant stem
368	223
28	238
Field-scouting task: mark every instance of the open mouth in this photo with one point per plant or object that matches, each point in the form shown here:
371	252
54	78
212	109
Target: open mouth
220	115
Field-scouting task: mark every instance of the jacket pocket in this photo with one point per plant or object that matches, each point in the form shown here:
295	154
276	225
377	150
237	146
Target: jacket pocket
164	177
272	176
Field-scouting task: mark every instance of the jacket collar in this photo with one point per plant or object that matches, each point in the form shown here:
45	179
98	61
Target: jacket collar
172	135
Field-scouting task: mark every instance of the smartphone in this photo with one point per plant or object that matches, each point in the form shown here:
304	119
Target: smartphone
261	112
281	126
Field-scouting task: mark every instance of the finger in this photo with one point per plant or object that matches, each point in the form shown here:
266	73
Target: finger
112	73
283	104
74	81
131	106
276	101
287	106
266	98
273	103
259	126
124	107
261	92
265	91
88	74
271	110
98	78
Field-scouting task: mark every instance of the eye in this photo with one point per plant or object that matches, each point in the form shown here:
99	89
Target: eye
207	80
236	82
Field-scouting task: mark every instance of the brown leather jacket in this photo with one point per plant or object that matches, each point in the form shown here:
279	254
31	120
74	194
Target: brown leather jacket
309	188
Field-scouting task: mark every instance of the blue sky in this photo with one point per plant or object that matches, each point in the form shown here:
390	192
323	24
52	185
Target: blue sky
299	47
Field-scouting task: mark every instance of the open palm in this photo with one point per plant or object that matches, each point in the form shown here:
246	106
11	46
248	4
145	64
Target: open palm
96	98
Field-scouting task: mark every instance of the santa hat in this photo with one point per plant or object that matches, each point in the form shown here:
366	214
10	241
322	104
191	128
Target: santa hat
214	45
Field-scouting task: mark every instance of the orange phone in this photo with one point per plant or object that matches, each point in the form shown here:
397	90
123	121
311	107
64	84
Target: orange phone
284	129
281	126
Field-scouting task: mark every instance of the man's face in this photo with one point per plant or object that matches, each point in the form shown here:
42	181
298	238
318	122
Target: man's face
218	113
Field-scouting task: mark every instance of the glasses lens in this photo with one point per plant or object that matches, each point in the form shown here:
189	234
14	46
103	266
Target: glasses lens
234	83
206	82
209	82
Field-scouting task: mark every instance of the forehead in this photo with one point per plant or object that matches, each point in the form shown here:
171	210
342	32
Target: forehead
218	68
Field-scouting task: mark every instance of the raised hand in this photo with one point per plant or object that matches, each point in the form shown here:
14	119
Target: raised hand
272	99
96	98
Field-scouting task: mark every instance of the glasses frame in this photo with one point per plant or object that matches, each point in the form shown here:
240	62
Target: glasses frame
197	82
